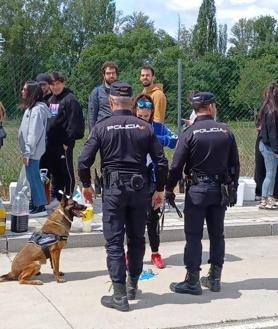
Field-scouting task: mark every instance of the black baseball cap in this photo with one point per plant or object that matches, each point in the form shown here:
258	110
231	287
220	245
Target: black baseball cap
202	98
43	78
120	89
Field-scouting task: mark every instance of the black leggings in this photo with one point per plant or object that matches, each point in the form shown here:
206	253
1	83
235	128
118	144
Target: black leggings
153	228
60	166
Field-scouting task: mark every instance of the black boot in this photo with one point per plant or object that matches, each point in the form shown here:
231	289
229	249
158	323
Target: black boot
213	279
132	285
118	300
191	284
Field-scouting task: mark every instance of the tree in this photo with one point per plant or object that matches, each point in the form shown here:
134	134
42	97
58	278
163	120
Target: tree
265	30
138	20
205	31
255	76
46	35
251	34
222	39
242	36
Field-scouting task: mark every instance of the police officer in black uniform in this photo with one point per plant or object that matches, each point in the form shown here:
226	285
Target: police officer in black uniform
124	142
209	153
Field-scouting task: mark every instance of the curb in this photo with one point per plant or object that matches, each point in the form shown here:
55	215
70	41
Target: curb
13	243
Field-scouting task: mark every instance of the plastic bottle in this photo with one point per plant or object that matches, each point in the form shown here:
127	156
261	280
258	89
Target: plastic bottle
87	219
20	212
2	218
46	183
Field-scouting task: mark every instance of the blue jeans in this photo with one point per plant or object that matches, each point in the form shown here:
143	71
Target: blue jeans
36	185
271	163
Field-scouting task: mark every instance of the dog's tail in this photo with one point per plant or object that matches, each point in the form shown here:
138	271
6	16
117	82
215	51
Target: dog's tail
7	277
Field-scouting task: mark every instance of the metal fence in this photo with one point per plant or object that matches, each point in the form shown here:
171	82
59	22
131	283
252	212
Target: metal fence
177	76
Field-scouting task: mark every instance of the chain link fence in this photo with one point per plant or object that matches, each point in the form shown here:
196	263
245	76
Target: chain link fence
179	78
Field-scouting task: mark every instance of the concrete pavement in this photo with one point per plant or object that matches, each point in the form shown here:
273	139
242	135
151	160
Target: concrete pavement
249	291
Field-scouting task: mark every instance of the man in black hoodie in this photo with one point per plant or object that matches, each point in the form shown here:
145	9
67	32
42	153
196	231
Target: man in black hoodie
64	127
44	81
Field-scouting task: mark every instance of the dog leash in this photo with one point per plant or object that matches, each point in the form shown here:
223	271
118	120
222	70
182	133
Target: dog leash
162	212
162	216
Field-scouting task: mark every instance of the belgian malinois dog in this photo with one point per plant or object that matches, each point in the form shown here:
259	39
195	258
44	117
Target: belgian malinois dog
56	230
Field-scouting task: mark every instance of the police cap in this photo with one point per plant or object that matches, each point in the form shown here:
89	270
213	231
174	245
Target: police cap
120	89
202	98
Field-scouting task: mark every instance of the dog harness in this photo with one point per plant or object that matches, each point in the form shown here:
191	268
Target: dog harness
45	240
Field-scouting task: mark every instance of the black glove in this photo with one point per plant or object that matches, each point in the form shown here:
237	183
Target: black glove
232	195
170	197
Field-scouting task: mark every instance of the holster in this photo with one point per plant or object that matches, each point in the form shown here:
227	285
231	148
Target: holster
228	195
225	200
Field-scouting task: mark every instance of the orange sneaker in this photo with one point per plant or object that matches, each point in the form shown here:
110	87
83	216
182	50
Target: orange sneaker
158	261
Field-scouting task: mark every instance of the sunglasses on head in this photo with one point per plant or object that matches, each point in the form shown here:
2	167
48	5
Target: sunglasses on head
144	104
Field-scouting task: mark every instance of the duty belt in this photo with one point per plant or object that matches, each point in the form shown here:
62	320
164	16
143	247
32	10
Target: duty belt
195	178
213	178
119	177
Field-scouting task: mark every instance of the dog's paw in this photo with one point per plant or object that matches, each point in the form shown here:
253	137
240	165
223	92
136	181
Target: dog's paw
61	280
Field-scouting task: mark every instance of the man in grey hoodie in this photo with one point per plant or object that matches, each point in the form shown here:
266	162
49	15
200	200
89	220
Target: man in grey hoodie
31	136
98	106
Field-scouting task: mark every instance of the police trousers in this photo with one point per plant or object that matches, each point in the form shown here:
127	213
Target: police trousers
124	211
202	202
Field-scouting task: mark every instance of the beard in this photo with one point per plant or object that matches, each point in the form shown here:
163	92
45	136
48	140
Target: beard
110	81
146	83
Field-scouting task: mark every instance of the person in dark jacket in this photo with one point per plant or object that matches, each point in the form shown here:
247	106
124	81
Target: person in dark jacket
64	127
44	81
268	145
144	108
98	106
124	142
208	151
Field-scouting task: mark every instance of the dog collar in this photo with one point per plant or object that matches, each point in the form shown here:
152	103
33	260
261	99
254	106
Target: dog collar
67	218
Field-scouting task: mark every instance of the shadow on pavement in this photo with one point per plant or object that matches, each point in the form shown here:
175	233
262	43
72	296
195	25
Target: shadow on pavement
73	276
177	259
229	290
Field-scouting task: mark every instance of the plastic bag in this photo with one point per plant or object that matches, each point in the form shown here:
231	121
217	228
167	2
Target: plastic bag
78	197
21	183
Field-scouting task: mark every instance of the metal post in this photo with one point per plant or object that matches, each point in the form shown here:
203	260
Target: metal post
2	41
179	94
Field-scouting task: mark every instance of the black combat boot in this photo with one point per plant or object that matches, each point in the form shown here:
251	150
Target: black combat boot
191	284
132	285
213	279
118	300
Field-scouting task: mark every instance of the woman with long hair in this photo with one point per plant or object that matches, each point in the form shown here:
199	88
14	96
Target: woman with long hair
31	137
268	144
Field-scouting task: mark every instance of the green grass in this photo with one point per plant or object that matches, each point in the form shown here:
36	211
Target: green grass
10	160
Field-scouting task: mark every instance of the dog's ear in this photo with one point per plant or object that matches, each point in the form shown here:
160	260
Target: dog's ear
64	200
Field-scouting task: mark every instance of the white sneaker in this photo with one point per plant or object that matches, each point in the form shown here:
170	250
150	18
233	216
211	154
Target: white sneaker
270	204
53	204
